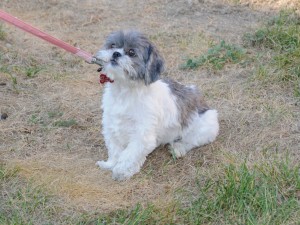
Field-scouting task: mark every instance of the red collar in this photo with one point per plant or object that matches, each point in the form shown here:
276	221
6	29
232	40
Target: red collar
104	79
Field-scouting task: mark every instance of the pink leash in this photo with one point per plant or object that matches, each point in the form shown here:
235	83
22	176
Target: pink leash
36	32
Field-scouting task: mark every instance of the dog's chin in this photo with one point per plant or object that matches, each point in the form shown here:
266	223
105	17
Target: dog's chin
119	72
115	71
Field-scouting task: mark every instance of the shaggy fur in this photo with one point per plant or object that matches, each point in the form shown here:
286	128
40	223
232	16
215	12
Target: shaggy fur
142	111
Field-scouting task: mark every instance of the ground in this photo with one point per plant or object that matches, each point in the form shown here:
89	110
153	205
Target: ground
52	99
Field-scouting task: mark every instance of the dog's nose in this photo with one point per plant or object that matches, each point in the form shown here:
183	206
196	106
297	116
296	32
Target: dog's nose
116	55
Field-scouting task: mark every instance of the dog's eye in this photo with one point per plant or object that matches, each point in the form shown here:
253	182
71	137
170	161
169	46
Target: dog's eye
131	53
112	45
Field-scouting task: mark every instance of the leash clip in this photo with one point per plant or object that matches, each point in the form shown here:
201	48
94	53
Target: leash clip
96	61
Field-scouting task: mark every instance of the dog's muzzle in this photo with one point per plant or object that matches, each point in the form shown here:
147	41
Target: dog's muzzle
97	61
115	56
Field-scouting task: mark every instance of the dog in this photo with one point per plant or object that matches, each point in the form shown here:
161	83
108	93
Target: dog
142	111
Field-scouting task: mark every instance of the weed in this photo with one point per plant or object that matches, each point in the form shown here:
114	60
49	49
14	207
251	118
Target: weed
172	151
32	71
281	33
217	56
261	73
65	123
282	36
297	90
52	117
138	215
289	64
40	118
35	119
2	34
7	72
13	80
7	173
54	114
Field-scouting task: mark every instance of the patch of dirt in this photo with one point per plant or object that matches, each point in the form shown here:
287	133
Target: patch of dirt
63	158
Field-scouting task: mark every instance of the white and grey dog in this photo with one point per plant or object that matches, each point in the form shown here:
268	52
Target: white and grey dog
142	111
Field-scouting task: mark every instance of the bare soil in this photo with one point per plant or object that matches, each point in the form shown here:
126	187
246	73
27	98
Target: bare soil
253	119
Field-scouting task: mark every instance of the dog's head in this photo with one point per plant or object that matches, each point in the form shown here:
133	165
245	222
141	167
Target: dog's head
130	56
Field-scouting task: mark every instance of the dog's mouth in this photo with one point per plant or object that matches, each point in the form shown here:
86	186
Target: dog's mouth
114	62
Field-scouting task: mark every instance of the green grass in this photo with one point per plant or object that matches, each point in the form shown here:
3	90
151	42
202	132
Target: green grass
7	173
22	203
138	215
217	57
282	33
266	193
15	72
282	36
263	194
51	119
25	206
2	33
5	70
32	71
35	119
65	123
54	114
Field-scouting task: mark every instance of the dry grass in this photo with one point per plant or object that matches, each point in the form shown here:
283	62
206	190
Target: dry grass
255	117
272	4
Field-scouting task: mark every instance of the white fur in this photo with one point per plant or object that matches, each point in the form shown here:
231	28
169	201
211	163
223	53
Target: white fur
137	118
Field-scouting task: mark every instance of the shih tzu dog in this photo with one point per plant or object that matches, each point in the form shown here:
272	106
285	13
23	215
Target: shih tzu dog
142	111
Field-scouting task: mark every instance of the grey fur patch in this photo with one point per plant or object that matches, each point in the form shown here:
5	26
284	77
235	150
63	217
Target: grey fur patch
147	63
154	65
189	100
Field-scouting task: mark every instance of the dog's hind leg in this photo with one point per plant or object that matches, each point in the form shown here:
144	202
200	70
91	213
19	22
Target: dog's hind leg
203	129
179	148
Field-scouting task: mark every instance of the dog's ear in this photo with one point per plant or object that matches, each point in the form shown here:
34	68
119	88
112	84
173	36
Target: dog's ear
154	65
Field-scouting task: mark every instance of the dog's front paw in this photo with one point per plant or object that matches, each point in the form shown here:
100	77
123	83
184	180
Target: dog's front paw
108	165
123	171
